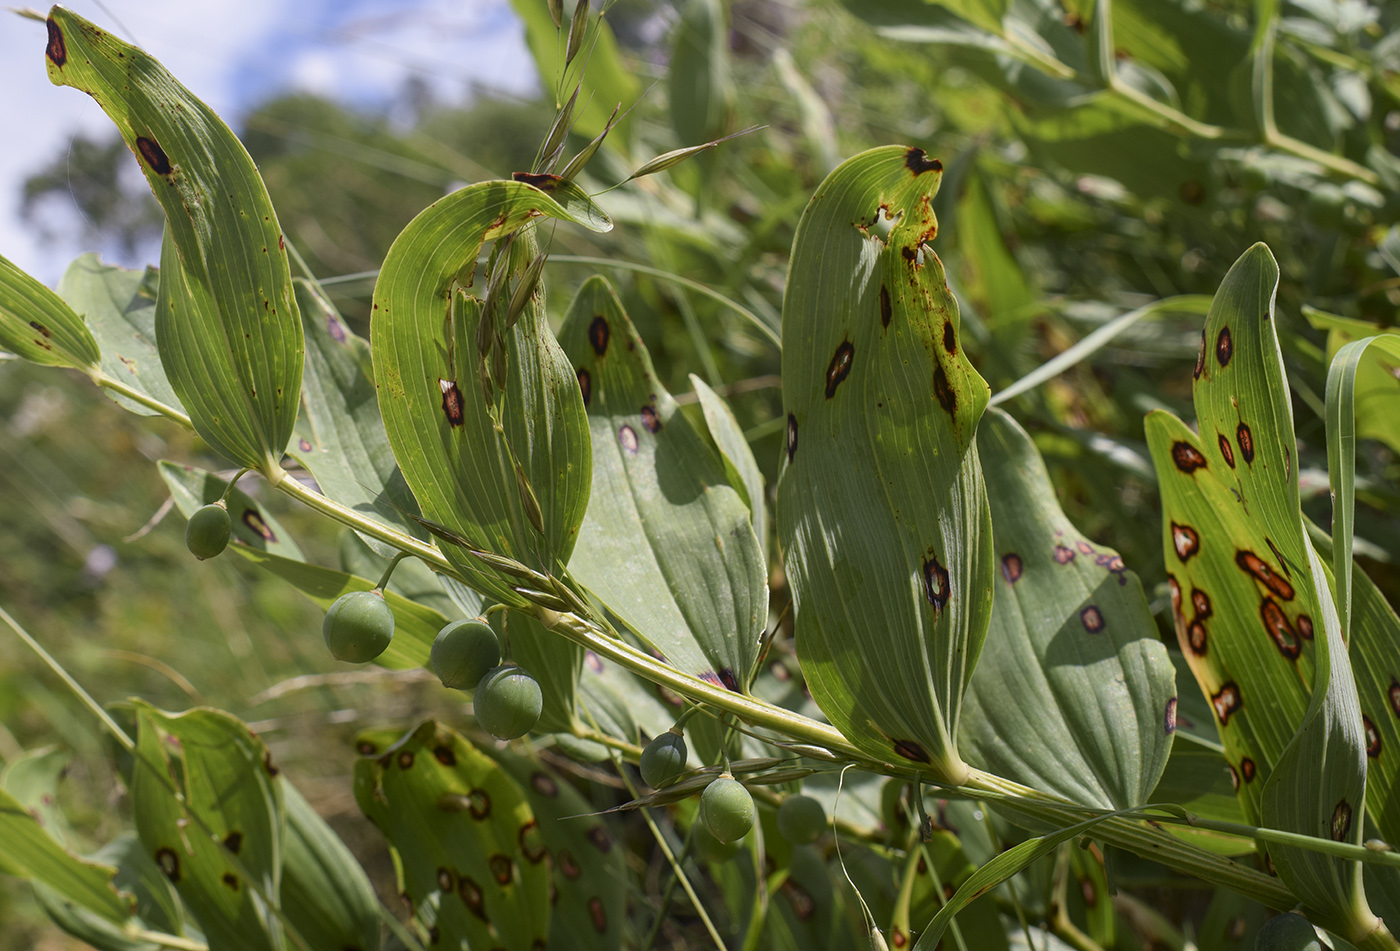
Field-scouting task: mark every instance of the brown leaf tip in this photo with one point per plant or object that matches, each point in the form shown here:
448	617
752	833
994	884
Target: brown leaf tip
918	162
56	51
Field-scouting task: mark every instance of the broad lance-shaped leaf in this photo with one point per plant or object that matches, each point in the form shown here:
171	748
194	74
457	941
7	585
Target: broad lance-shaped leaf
882	512
1376	387
344	443
325	893
1072	639
230	803
1249	594
227	326
37	325
739	462
119	307
423	335
1318	785
588	867
667	543
463	834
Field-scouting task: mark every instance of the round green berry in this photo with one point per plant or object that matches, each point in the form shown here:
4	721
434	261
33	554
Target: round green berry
358	626
726	808
1288	932
801	820
508	702
663	759
464	651
207	533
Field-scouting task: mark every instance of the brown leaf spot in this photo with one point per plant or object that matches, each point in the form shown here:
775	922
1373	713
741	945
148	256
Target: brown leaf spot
598	914
950	337
366	748
1305	627
910	749
791	436
270	769
446	881
1092	619
502	868
47	333
947	398
233	841
1252	564
1234	777
1196	638
303	445
1063	554
600	838
1200	358
169	862
1175	588
886	308
1248	769
1011	567
529	841
585	386
471	895
650	420
1226	450
405	759
1224	346
1227	702
1283	562
918	162
1185	541
1395	696
599	333
1169	718
628	437
567	865
1200	601
479	804
452	406
56	51
898	938
726	677
1373	737
1187	457
444	755
230	880
544	784
254	520
839	367
1276	623
541	180
1246	440
153	154
936	583
1084	547
1341	821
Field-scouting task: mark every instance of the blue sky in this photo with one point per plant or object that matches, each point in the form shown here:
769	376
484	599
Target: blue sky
235	53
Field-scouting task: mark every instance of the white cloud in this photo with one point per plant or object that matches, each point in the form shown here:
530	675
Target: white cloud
234	53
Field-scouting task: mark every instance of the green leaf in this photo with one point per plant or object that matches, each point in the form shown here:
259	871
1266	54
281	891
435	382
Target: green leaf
588	864
227	326
119	307
1199	781
37	325
253	526
459	465
554	661
325	893
465	838
667	543
701	80
1374	388
204	787
1072	638
739	463
344	444
882	513
30	852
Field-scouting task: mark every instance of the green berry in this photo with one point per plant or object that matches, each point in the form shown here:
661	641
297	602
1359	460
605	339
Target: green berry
726	808
207	533
463	652
358	626
801	820
663	760
508	702
1288	932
